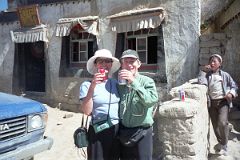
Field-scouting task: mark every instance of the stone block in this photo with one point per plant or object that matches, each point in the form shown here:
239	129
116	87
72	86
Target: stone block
215	50
179	109
203	61
204	50
205	55
193	91
209	44
219	36
205	38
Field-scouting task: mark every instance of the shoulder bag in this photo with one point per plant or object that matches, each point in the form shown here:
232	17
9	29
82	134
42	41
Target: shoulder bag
80	135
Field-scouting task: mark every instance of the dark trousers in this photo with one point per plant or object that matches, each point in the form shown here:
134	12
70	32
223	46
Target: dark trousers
104	145
218	112
141	151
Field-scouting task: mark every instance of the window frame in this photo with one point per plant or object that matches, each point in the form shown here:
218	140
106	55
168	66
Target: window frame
79	51
146	48
82	40
140	36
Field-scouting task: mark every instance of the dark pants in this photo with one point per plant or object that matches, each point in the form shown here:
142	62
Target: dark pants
218	112
103	145
141	151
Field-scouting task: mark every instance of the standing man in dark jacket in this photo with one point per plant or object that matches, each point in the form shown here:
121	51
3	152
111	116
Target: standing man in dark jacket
221	90
137	99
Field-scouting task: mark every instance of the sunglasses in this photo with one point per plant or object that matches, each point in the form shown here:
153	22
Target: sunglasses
103	61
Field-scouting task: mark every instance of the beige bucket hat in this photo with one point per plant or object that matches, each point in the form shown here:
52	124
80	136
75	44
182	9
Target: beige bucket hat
102	53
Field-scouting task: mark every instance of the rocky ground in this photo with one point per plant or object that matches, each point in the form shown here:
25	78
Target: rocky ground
61	125
233	148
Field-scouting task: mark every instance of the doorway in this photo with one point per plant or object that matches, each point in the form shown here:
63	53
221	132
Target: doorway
29	67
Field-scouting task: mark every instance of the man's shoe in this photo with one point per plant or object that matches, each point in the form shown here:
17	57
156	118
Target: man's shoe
218	147
224	150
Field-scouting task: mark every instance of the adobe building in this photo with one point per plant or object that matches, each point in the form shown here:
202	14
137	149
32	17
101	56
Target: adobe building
43	56
44	47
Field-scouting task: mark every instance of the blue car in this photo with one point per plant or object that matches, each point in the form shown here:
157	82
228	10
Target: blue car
22	125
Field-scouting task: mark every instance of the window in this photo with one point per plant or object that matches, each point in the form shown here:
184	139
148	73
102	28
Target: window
149	44
81	45
77	48
144	41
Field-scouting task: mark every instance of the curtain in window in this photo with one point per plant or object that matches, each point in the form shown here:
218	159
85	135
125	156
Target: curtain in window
89	24
25	35
137	19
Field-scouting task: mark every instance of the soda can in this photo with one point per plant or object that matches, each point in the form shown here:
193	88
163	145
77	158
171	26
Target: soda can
103	71
181	95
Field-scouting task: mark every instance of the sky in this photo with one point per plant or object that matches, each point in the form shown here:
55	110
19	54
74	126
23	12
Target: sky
3	5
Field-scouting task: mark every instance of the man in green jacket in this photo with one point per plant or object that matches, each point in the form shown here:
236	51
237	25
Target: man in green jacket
137	99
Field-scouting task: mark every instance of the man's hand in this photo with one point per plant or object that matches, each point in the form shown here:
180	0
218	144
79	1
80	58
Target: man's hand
126	74
205	68
229	97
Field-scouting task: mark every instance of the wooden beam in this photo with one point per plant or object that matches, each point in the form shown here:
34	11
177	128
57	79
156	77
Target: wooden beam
231	13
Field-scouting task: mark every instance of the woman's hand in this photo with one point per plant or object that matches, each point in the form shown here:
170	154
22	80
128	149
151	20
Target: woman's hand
98	78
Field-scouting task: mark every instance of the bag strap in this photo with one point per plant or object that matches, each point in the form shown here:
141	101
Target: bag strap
110	97
84	125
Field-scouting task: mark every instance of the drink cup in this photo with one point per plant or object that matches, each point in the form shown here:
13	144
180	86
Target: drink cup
121	81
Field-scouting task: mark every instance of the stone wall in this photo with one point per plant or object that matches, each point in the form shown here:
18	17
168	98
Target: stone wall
184	125
214	43
224	44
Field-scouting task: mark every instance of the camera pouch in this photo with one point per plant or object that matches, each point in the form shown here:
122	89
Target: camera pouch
100	126
80	137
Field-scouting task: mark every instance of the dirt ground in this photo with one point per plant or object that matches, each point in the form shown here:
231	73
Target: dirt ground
60	127
62	124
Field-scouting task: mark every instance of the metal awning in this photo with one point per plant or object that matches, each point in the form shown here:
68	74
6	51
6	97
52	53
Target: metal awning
137	19
89	24
25	35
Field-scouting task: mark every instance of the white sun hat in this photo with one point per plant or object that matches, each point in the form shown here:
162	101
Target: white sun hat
102	53
216	55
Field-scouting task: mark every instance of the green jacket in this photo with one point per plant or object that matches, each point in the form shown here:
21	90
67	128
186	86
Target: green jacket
137	101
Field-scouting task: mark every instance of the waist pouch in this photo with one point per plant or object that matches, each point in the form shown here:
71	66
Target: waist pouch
218	103
130	136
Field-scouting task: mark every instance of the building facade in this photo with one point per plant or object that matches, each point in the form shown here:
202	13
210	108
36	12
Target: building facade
46	60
